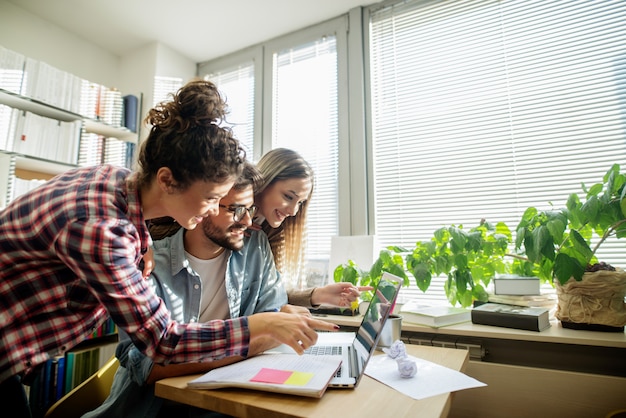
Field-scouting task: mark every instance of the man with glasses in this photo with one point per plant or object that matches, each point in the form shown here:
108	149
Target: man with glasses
215	271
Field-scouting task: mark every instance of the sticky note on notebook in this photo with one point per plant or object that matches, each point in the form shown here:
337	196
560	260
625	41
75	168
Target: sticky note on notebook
280	377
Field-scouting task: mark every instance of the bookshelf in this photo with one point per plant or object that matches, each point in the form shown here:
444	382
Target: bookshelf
52	121
61	374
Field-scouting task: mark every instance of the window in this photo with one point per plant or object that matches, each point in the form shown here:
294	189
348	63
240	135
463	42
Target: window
237	84
482	109
292	101
165	88
305	119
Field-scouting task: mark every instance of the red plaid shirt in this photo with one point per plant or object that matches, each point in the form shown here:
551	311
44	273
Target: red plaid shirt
69	255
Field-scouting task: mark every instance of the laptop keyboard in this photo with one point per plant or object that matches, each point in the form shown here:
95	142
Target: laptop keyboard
323	350
326	351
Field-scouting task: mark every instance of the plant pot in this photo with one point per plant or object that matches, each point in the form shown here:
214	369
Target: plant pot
594	303
392	331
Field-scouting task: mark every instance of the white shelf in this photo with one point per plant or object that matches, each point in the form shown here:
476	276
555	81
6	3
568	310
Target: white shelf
34	106
42	109
96	127
41	166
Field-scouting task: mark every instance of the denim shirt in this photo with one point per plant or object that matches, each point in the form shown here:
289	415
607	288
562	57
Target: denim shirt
252	285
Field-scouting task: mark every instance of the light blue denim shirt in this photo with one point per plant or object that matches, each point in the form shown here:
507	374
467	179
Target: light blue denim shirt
252	285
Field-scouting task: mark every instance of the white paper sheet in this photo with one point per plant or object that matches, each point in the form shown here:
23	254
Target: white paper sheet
431	379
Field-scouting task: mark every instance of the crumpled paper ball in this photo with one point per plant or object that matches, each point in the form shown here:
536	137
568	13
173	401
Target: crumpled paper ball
406	367
396	350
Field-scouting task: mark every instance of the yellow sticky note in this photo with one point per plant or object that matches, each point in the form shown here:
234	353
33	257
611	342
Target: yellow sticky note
299	379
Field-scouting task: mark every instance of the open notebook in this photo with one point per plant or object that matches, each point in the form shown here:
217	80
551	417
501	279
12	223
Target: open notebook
304	375
337	360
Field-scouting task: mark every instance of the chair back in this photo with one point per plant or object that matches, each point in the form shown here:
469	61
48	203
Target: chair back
87	396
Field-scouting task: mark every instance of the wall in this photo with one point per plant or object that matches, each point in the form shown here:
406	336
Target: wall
514	391
36	38
133	73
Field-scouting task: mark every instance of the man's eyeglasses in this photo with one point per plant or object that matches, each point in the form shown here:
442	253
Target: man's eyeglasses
239	212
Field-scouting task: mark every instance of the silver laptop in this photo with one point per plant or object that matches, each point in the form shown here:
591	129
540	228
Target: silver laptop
357	348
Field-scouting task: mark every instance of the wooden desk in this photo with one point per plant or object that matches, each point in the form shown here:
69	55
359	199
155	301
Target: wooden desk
370	399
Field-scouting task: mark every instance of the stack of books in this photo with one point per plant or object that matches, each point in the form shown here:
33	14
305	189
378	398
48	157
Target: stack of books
516	302
413	312
520	291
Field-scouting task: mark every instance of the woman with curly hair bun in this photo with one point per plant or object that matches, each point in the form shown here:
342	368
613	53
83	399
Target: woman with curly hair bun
70	251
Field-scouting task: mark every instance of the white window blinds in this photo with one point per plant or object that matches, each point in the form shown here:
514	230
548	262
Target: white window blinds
481	109
305	119
237	85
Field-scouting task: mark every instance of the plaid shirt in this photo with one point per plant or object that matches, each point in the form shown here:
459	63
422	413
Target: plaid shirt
69	252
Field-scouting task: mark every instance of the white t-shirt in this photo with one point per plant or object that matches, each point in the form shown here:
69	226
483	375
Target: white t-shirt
213	302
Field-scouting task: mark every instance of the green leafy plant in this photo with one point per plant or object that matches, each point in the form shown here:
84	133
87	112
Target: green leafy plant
469	259
549	244
389	260
558	243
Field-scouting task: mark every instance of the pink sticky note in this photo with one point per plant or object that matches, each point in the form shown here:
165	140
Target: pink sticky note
272	376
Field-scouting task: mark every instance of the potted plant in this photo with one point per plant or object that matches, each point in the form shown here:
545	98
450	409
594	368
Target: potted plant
469	259
558	247
388	260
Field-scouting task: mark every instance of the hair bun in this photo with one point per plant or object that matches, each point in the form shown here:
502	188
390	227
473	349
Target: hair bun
197	103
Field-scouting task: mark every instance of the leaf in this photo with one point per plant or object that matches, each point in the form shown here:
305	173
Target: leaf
397	249
591	209
422	275
556	227
542	243
465	299
519	239
566	267
529	214
503	229
480	293
580	245
462	279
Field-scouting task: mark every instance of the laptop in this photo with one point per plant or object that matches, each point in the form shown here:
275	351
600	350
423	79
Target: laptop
357	348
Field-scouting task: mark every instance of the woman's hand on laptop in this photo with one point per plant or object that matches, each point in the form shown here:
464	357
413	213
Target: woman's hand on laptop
297	331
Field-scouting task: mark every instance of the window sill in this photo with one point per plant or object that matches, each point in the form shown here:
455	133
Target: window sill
556	348
555	334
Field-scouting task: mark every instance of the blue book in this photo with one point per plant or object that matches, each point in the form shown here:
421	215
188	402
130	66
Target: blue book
131	105
47	383
60	383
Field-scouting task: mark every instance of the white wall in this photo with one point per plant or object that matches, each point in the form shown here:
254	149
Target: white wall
132	73
36	38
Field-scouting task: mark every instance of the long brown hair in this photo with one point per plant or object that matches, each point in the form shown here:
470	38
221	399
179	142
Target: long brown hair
288	241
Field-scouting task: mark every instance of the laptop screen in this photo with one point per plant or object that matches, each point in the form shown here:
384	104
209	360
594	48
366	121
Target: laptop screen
379	309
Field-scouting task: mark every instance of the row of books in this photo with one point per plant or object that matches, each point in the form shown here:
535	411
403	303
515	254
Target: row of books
61	374
45	83
97	149
531	318
516	302
38	136
29	134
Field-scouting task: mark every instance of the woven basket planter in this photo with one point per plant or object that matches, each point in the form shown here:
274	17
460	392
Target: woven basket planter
595	303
